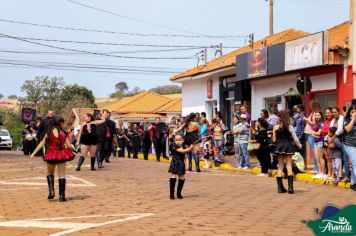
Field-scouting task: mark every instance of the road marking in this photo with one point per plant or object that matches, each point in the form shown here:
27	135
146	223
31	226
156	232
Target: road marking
18	189
30	168
83	182
71	227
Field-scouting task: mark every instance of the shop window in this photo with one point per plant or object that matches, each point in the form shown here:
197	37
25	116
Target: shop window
326	100
211	108
273	102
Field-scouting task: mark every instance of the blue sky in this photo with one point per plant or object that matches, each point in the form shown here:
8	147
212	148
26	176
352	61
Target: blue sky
224	17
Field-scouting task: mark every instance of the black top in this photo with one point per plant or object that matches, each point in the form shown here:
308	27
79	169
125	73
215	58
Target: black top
102	129
89	138
42	128
284	135
262	138
350	137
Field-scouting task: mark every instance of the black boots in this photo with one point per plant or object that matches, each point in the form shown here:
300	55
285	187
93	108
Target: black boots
62	190
179	188
190	163
80	163
197	162
281	188
92	163
50	181
290	184
172	185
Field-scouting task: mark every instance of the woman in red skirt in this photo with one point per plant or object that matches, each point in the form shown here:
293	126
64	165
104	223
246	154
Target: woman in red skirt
58	152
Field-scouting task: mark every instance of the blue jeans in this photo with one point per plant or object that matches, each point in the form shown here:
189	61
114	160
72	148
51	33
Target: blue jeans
311	142
346	161
351	153
245	159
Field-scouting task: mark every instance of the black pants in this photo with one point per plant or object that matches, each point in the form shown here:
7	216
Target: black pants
129	148
103	150
164	147
146	145
122	148
25	147
264	158
158	148
294	169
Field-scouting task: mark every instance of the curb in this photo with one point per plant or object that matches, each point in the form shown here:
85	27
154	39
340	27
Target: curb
306	177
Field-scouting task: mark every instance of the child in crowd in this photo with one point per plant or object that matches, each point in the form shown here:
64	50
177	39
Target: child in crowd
335	147
135	141
177	166
207	150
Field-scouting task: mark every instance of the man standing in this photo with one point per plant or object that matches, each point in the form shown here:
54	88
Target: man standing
43	126
244	111
105	134
145	136
155	138
163	135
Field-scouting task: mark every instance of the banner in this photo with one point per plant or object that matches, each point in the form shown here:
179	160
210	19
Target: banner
257	63
28	115
304	52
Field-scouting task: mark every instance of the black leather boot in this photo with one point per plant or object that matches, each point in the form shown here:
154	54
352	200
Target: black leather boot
281	188
290	184
190	163
179	188
62	190
80	163
197	162
50	181
172	185
92	163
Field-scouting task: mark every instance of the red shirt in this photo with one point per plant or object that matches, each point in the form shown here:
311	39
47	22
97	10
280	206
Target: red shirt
325	129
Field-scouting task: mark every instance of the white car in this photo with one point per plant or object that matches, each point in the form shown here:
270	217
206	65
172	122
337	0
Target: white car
5	139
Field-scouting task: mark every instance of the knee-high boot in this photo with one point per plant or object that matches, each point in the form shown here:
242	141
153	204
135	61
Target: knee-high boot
280	186
80	163
179	188
290	184
62	190
197	162
172	185
50	181
190	161
92	163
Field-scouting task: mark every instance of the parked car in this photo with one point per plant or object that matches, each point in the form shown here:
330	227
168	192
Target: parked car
5	139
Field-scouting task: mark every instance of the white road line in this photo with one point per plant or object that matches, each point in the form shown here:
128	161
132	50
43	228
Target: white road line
70	227
27	169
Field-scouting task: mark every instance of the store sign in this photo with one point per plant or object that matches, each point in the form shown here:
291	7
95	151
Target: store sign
229	82
304	52
209	89
257	63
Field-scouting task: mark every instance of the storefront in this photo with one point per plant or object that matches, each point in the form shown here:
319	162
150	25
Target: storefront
274	71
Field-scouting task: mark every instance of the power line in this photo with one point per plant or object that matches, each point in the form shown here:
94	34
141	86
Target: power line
113	52
317	3
79	70
96	53
123	33
133	19
91	66
119	44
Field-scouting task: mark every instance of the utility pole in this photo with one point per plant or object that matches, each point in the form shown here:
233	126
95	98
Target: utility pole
205	55
271	2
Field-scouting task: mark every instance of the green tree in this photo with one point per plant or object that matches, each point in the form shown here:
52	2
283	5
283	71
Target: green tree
12	97
122	87
1	95
76	92
167	89
117	94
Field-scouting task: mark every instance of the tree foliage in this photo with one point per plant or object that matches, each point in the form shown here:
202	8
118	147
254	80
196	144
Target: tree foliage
167	89
1	95
44	93
12	97
122	87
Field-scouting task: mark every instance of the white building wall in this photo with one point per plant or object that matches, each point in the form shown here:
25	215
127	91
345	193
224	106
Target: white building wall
194	93
271	87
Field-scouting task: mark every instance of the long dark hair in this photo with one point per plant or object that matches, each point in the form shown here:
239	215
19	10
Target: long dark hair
55	123
348	113
189	118
284	119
